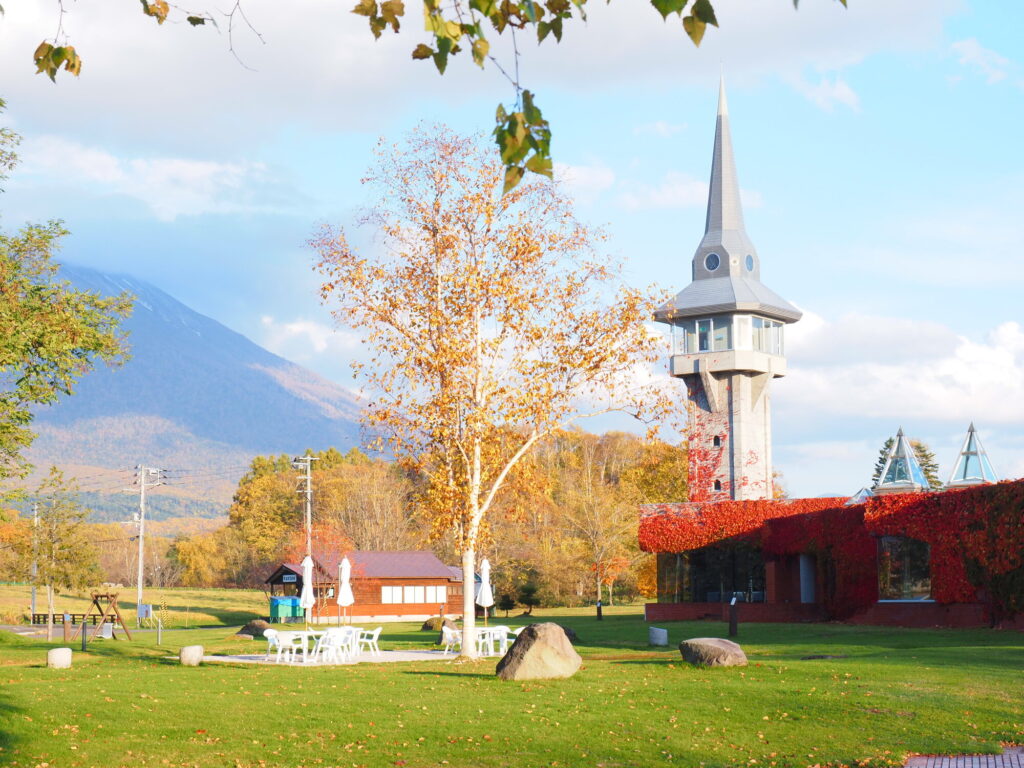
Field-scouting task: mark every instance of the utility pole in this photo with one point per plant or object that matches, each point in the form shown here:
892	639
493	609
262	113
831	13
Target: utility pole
146	477
35	553
306	463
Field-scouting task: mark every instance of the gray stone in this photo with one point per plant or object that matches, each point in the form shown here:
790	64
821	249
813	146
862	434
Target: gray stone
433	624
657	636
712	652
58	658
541	652
254	629
191	655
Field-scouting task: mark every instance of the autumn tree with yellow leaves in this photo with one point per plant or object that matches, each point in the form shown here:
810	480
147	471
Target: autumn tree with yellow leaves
493	320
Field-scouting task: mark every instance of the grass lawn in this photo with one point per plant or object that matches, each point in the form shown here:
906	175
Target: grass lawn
895	692
191	607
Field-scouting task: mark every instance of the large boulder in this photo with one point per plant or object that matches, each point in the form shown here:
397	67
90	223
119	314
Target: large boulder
191	655
712	652
58	658
253	629
541	652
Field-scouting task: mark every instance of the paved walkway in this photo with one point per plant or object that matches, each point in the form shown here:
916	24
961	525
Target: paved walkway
1012	757
385	657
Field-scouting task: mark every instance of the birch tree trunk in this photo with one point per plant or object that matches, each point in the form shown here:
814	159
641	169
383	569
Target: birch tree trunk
49	613
469	602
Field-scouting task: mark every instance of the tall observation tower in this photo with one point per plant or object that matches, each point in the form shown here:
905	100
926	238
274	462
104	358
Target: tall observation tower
727	344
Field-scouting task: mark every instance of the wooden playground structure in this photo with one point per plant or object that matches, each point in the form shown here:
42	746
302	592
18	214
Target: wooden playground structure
105	613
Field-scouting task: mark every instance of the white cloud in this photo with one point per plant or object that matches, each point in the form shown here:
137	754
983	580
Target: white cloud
676	190
987	62
321	69
826	94
659	128
302	338
917	370
169	186
584	182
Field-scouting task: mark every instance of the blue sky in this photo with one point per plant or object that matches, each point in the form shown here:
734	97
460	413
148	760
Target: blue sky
878	150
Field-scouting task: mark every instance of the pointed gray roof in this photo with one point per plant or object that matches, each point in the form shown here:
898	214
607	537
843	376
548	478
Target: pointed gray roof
735	283
972	464
902	472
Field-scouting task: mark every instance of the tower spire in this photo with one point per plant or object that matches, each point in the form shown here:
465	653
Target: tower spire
725	214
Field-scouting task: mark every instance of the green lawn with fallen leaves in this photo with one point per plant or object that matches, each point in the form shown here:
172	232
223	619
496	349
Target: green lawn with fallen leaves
889	693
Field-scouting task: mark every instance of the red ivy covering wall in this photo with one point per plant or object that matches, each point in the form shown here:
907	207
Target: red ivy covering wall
682	527
976	537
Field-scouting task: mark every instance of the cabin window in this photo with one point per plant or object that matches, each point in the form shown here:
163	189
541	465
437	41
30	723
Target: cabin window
903	569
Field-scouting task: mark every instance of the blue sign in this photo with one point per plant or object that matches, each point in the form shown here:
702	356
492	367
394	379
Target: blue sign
289	578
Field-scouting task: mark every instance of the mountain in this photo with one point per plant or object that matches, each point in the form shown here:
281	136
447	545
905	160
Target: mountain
196	398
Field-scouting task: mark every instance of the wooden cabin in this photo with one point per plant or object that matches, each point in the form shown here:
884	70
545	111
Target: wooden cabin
387	586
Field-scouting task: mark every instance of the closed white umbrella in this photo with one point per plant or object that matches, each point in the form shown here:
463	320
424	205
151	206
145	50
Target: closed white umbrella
484	596
307	599
345	596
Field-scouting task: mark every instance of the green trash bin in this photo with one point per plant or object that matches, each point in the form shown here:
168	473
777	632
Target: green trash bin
280	608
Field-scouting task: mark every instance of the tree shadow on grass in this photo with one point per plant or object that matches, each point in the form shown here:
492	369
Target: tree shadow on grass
422	673
7	740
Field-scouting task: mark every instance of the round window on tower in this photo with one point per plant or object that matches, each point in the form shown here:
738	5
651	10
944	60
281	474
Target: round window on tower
712	261
750	263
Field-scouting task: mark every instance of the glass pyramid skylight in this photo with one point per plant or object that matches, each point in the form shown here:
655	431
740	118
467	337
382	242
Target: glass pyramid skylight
859	497
972	465
902	472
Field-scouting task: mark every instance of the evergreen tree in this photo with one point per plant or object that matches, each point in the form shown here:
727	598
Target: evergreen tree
929	465
883	456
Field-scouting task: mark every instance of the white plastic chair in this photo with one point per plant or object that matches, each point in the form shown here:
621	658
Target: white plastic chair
502	632
272	641
332	647
517	630
288	643
369	639
452	639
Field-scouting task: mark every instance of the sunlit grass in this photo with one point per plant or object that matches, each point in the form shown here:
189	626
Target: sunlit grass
894	692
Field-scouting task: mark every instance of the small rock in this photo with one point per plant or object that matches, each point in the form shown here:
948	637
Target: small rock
191	655
657	636
541	652
712	652
58	658
253	629
433	624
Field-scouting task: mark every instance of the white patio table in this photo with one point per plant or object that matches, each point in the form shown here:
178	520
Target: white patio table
490	639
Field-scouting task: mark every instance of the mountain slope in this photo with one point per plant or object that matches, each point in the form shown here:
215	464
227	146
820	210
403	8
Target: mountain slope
195	396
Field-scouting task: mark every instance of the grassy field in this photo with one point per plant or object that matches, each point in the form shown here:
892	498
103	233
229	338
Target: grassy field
892	692
185	607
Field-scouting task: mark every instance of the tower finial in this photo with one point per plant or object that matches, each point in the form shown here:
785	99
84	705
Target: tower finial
724	211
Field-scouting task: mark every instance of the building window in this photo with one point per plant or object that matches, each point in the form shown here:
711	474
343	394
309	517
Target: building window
717	442
718	485
430	595
711	334
767	336
903	569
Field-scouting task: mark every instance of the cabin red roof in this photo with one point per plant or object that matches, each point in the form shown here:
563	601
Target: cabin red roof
408	564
